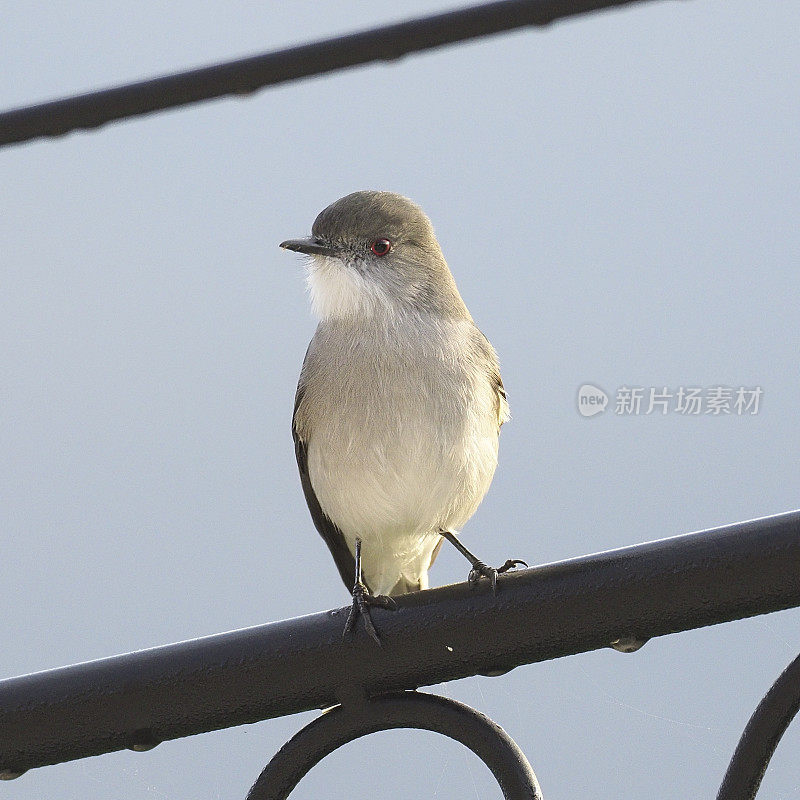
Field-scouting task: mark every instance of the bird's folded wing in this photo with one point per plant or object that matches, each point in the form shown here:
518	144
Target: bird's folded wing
333	537
503	411
487	354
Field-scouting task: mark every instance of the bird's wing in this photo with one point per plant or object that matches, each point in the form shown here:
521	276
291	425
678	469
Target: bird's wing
493	372
503	410
334	538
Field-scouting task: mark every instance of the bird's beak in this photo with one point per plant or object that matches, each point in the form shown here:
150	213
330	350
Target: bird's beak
309	246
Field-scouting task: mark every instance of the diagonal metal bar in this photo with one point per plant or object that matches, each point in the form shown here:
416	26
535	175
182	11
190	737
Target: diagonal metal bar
616	598
246	75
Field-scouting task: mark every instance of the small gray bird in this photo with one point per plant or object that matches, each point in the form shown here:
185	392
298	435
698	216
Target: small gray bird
399	403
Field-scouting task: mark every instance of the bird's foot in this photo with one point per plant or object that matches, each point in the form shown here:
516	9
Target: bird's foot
362	600
480	570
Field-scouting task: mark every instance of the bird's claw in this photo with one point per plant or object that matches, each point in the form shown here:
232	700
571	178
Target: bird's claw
480	570
512	563
362	600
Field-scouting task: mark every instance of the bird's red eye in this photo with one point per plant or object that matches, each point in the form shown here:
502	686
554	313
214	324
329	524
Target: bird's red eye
381	247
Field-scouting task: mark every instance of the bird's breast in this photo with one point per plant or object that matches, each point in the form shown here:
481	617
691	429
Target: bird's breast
400	427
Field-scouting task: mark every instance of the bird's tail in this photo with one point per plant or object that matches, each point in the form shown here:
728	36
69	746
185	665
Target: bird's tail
405	585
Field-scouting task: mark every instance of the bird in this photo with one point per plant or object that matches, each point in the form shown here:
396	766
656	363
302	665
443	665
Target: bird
399	403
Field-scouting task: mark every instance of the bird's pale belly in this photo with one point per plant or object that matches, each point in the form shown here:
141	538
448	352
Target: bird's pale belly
396	485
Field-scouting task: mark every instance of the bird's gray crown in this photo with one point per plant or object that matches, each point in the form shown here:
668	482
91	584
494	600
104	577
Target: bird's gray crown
368	215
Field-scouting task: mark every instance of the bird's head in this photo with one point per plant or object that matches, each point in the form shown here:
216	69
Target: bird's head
375	253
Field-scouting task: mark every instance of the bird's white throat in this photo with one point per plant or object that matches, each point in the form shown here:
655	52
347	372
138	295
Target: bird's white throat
340	290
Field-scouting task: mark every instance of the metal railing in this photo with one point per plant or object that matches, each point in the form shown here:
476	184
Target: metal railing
618	599
247	75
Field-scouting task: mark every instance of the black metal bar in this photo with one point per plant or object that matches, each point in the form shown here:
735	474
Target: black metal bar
246	75
761	736
633	594
428	712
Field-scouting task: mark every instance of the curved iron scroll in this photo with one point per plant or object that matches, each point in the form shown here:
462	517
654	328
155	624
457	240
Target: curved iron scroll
344	723
761	736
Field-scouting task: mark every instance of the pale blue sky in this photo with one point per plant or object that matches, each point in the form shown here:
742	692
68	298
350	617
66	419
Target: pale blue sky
617	197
